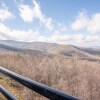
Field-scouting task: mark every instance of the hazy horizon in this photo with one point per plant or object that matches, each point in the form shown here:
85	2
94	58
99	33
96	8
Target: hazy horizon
88	46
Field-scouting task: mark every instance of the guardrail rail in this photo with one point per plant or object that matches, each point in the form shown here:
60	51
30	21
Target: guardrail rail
7	94
42	89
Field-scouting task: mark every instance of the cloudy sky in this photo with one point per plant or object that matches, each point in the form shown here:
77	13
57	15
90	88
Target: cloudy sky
59	21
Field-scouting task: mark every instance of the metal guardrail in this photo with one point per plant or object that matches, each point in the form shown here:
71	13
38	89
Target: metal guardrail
42	89
7	94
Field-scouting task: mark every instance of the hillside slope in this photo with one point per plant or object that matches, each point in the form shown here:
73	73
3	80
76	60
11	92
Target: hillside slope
19	50
80	78
53	48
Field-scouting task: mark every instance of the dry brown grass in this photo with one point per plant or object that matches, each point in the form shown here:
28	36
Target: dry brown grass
79	78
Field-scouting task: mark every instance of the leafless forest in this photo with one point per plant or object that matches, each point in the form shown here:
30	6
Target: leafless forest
80	78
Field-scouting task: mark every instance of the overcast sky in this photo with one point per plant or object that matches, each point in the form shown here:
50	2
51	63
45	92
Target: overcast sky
74	22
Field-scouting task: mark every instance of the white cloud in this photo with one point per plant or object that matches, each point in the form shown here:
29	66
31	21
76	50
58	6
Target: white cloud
26	13
29	35
20	35
77	39
94	24
29	14
56	37
48	23
83	21
5	13
59	30
93	38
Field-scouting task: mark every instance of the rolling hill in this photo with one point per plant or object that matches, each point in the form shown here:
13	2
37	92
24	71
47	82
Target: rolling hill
21	51
39	48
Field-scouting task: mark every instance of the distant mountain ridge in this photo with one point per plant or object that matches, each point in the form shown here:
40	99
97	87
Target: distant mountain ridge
51	48
18	50
13	43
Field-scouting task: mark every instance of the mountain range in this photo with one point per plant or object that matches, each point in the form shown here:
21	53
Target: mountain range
40	48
